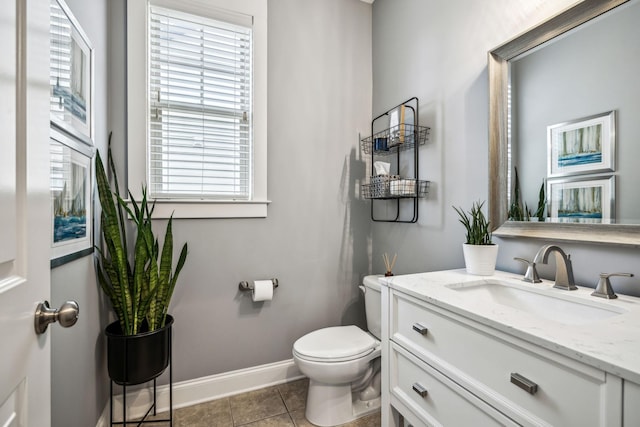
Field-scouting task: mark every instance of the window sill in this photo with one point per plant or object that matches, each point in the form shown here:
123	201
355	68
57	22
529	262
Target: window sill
190	209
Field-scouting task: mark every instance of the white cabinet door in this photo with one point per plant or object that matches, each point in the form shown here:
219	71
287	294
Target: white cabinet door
25	395
631	404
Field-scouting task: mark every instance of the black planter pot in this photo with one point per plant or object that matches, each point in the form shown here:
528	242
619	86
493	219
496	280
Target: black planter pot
135	359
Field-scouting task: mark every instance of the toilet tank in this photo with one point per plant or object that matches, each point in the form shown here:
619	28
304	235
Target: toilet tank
373	305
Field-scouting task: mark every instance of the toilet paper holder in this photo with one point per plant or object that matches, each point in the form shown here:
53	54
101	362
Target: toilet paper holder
248	286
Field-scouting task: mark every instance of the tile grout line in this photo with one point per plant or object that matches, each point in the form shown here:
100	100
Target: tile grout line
284	405
284	401
294	394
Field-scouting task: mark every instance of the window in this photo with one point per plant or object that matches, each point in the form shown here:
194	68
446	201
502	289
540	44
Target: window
200	99
203	114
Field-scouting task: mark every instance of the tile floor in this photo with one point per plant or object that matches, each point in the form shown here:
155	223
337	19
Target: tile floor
278	406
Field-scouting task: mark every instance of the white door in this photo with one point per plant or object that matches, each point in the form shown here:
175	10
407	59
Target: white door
25	390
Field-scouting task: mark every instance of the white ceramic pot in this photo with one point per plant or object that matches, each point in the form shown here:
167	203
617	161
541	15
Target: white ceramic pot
480	259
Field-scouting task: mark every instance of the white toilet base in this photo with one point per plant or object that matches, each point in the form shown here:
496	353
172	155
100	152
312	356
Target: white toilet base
331	405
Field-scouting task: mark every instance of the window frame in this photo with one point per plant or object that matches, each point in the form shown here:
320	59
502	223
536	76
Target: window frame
138	107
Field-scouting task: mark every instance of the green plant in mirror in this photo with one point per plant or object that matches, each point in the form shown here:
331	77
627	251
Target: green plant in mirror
139	284
476	224
518	211
542	203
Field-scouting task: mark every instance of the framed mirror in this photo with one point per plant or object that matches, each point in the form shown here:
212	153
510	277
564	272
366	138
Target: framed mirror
525	121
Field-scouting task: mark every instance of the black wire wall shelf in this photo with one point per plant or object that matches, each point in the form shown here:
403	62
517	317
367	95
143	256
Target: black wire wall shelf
384	143
394	188
394	195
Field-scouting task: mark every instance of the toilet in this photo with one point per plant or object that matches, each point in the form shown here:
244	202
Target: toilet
343	366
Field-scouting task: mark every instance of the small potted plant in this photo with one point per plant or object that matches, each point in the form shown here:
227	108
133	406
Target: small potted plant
138	281
480	253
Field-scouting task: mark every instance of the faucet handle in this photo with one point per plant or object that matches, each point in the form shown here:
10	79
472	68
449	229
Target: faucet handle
604	289
531	274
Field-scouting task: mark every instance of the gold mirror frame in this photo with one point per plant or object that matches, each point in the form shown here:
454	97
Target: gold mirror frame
498	137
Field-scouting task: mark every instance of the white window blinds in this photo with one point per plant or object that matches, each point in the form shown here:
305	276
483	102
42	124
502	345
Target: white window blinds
60	61
200	119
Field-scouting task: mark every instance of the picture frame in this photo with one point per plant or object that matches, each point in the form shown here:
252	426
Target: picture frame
70	74
583	146
71	186
586	200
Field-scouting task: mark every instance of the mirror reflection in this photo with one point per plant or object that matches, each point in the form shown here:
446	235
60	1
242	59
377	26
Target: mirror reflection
575	135
604	94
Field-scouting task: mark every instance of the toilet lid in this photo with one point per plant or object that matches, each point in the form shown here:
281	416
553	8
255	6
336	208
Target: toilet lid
337	343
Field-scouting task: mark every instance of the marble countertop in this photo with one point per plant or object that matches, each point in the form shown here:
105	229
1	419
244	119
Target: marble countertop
611	344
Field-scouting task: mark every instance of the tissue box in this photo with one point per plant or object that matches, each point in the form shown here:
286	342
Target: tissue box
379	186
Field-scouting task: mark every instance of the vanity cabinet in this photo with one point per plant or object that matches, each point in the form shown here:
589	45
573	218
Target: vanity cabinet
443	368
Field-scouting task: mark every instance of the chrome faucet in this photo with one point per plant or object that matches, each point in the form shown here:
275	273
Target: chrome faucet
564	271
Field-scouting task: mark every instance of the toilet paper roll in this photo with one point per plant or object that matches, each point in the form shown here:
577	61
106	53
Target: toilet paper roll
262	290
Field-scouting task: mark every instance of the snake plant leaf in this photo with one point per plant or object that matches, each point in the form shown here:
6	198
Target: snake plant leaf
164	273
139	279
112	167
515	210
542	201
111	230
138	284
102	279
477	226
154	307
172	284
112	238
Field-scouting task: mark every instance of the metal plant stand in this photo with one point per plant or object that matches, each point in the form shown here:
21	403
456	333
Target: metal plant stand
153	406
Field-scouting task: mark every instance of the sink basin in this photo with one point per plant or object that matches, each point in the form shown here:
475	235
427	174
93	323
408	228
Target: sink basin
547	303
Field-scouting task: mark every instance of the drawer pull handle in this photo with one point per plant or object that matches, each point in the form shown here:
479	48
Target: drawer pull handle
419	389
421	329
524	383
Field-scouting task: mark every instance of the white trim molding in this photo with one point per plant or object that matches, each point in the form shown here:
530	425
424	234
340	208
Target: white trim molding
199	390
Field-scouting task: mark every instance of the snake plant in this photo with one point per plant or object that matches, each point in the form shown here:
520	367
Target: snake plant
476	224
516	211
542	202
138	284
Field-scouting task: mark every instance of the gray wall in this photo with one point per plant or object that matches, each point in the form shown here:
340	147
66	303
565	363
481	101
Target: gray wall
438	52
591	71
316	237
315	240
80	386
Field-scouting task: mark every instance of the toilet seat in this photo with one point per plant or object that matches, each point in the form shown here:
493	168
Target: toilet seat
335	344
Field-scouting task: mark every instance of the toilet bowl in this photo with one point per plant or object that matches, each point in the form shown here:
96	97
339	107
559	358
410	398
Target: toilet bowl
343	366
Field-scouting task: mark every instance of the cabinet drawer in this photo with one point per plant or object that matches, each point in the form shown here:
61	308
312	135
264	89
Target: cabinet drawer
483	360
436	399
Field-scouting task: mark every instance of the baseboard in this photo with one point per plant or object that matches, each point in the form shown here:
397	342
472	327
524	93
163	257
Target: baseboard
191	392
